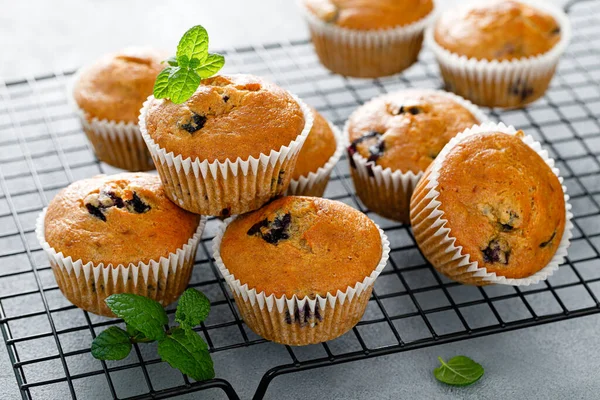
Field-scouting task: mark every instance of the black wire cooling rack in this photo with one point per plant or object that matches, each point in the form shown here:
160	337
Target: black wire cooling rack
42	149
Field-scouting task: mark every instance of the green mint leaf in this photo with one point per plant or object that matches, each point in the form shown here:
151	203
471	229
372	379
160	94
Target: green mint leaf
458	371
161	85
185	350
182	85
184	62
172	61
213	63
111	344
141	313
192	309
193	44
194	63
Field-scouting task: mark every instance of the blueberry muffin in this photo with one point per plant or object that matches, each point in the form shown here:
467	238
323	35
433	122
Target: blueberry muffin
393	139
230	147
367	39
320	152
115	234
108	96
502	204
314	253
514	34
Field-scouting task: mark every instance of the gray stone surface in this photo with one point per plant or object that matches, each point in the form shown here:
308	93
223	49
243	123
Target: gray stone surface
557	361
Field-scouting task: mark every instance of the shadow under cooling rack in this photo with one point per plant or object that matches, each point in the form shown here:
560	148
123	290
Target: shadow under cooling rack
42	149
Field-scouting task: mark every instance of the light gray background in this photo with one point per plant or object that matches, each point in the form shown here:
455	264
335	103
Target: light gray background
556	361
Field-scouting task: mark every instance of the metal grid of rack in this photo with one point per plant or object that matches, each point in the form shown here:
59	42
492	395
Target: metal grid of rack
42	149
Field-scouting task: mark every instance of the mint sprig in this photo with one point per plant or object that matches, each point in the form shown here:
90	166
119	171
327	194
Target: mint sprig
180	79
146	320
458	371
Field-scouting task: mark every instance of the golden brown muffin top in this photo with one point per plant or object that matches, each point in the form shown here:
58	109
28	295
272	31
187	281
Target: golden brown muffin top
498	30
319	146
304	246
229	116
406	130
117	219
503	203
369	14
116	86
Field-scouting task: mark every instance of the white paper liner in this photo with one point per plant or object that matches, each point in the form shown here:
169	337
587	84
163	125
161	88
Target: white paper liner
489	83
366	53
260	307
314	183
385	191
435	217
175	269
117	143
210	188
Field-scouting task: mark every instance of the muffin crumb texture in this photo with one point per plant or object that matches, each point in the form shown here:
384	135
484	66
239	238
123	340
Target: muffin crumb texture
369	14
406	130
503	204
116	86
228	117
301	246
500	30
117	219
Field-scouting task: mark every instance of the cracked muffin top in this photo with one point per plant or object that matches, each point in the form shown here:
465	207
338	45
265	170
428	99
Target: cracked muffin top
117	219
503	203
369	14
304	246
116	86
229	116
406	130
319	146
497	30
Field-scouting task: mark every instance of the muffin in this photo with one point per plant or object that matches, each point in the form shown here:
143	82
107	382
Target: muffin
491	209
322	149
499	53
118	234
367	39
393	139
301	269
229	148
108	96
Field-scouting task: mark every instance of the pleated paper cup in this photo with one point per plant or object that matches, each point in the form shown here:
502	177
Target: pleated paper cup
387	192
224	188
116	143
366	53
436	241
507	83
87	285
314	183
299	321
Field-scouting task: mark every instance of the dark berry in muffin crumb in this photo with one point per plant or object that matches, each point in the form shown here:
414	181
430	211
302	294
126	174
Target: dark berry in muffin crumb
98	203
272	231
497	251
195	123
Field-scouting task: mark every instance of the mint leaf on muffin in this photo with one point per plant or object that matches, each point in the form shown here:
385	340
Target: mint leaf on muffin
458	371
142	313
192	309
180	79
111	344
146	321
185	350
